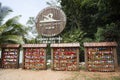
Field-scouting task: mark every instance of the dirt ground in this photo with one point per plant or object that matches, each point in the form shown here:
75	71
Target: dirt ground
20	74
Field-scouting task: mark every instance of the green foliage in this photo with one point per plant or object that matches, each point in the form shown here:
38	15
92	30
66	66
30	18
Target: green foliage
31	36
12	31
31	28
11	39
99	35
54	3
109	33
74	36
81	14
116	78
4	11
99	19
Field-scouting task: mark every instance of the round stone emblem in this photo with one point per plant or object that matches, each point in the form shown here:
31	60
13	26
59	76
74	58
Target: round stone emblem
50	21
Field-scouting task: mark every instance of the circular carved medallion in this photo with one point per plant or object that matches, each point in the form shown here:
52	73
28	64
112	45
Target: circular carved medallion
50	21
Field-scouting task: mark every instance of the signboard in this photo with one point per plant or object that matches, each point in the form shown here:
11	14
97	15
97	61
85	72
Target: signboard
50	40
50	21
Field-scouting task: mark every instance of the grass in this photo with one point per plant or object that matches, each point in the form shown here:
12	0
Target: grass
116	78
82	68
95	76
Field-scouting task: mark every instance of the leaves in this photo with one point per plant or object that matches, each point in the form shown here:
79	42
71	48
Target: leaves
94	17
109	33
4	11
2	29
74	36
11	38
99	35
12	31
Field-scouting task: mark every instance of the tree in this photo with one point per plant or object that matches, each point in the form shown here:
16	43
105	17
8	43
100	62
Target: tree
99	35
81	14
109	33
91	15
4	11
74	36
12	31
54	3
32	34
32	28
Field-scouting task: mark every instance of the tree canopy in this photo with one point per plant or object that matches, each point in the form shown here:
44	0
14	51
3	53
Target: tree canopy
93	16
11	31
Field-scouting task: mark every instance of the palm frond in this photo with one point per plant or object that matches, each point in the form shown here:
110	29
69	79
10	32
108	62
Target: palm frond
2	28
13	27
13	20
13	38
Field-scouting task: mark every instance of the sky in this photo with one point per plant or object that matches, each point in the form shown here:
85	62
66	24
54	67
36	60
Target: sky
26	8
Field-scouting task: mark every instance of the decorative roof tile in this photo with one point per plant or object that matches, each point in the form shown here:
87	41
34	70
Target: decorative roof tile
65	45
97	44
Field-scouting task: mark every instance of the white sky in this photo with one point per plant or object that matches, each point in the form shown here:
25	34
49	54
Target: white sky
26	8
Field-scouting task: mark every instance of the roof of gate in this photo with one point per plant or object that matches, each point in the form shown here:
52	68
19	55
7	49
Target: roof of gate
97	44
33	45
65	45
10	45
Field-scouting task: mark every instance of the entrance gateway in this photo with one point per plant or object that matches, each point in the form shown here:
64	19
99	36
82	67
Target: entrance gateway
49	23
